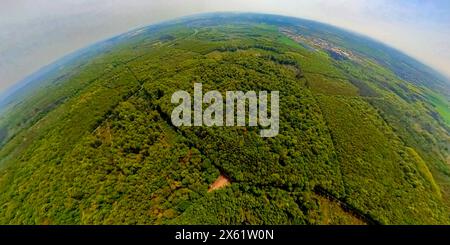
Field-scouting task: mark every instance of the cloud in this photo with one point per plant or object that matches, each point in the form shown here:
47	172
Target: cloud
34	33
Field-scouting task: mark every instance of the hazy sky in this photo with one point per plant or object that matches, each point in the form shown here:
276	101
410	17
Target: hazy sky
34	33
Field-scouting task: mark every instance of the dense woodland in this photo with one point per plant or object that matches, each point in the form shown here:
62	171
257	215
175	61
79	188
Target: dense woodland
94	144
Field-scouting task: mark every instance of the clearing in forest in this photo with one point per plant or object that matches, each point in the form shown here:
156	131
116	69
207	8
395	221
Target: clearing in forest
219	183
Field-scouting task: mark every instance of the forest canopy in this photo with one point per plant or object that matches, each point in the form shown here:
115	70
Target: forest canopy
357	143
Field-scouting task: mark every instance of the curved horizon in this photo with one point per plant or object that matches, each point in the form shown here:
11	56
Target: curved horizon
17	85
22	59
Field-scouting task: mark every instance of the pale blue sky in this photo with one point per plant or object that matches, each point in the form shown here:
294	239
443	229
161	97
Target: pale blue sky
34	33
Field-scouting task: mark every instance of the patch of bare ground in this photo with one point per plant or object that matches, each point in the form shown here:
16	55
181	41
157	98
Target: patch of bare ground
221	182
